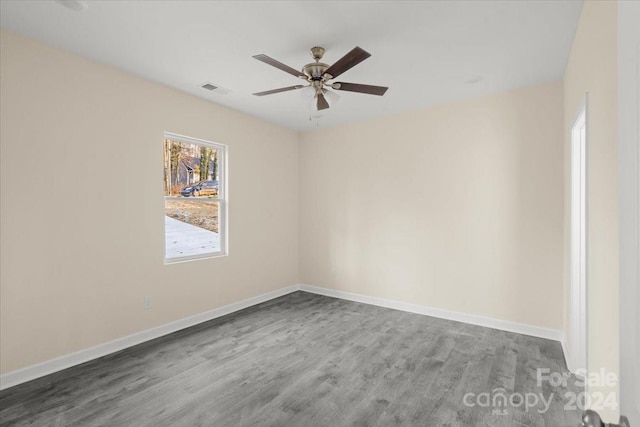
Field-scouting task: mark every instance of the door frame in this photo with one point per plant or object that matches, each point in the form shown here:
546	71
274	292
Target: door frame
629	205
578	242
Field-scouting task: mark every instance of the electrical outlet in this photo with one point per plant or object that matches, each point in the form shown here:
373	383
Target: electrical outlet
147	302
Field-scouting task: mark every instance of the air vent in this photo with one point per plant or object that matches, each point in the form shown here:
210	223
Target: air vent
214	89
77	5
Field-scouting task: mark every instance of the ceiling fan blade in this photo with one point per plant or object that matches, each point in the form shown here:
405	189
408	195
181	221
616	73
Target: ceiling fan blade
279	65
356	87
351	59
322	103
282	89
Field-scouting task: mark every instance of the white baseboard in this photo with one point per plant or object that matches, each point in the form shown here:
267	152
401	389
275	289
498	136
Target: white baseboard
488	322
29	373
563	343
571	365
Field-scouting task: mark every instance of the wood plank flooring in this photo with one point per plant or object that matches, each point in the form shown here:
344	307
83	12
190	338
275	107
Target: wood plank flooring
302	360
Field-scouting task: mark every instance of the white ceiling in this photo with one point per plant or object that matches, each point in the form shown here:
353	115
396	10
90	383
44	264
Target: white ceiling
427	52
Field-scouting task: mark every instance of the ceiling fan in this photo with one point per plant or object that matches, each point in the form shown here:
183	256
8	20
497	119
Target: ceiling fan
318	74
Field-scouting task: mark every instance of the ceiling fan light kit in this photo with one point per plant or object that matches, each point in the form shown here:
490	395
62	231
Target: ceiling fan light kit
318	74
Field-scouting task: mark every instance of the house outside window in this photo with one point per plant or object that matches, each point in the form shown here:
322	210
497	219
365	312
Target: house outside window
194	198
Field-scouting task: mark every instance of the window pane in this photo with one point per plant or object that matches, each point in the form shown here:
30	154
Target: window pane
191	227
187	165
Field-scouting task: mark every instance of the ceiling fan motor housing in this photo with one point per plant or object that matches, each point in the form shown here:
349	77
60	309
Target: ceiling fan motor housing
315	70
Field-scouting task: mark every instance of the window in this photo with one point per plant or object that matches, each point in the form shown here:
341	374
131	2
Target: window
194	198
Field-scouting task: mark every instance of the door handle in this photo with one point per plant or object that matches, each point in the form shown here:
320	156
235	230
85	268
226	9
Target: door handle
592	419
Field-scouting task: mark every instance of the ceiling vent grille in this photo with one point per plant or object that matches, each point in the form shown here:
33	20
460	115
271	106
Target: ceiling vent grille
209	86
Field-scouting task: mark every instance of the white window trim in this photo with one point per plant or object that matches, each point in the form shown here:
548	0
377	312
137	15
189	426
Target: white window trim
222	200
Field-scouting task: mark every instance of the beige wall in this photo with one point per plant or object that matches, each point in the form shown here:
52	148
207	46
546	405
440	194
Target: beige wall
82	207
592	68
458	207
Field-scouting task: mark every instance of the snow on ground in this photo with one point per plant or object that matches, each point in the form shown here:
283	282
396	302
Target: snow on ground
182	239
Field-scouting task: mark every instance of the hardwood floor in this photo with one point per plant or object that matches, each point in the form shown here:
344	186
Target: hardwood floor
304	360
